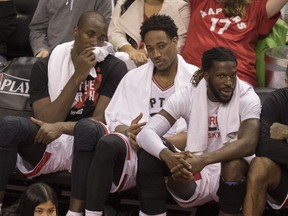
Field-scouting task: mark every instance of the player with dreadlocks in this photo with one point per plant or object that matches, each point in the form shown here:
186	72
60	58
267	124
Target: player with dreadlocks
222	114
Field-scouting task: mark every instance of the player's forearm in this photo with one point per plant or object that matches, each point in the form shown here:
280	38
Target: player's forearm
68	127
178	140
230	151
59	109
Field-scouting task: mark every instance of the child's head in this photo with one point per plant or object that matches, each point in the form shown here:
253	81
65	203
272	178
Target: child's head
38	199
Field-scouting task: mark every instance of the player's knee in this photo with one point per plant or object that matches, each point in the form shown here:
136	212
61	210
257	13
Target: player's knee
111	145
10	131
86	134
234	170
147	162
260	170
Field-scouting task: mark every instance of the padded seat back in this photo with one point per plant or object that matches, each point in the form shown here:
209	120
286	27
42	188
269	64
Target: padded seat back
262	92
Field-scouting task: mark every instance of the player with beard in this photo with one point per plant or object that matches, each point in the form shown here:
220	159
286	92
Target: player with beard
222	114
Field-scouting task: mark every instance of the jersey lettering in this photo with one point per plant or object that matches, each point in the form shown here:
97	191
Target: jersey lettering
221	25
211	12
213	129
214	21
154	101
86	92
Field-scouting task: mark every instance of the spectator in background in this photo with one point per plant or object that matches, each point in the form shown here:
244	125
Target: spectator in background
53	21
8	23
128	15
38	199
236	24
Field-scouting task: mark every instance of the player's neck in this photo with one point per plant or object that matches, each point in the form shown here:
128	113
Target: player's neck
165	77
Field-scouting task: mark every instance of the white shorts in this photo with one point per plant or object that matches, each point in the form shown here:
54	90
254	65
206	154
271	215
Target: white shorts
207	185
57	157
128	178
276	205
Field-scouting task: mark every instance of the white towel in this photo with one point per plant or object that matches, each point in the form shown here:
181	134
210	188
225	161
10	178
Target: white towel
125	57
61	68
131	98
228	117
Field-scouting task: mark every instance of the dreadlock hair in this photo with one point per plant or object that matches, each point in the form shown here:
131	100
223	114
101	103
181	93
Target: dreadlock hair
208	58
235	8
216	54
159	22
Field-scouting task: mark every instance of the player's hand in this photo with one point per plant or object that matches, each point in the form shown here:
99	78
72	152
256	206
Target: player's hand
134	128
279	131
83	63
176	163
48	132
197	163
183	170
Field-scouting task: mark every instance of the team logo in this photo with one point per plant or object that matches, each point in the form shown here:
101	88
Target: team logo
14	85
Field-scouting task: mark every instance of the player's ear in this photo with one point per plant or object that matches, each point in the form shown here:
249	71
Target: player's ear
206	75
75	31
175	41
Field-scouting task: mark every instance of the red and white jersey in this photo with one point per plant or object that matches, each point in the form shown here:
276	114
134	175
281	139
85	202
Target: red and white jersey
209	27
159	95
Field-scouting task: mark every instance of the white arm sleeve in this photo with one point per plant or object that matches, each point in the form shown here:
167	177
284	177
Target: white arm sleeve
149	137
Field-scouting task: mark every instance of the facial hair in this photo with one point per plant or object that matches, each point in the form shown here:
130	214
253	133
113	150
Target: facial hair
217	94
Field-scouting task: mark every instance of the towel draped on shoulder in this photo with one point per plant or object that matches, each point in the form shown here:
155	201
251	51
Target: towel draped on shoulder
132	96
228	117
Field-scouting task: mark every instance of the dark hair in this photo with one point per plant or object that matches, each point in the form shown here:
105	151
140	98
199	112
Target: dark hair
216	54
208	58
91	14
159	22
125	6
34	195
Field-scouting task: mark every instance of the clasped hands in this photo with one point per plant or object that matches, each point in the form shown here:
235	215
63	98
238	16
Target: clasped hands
183	165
